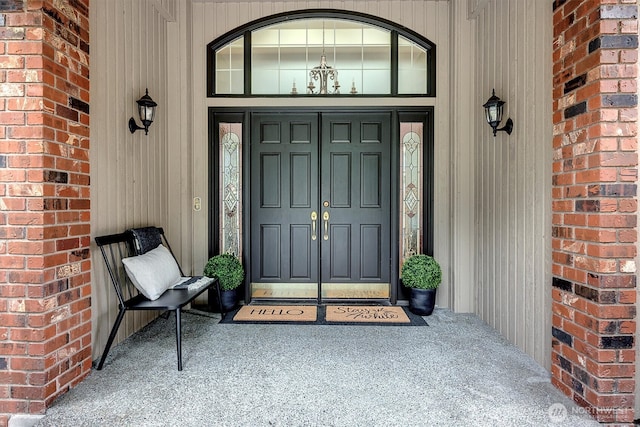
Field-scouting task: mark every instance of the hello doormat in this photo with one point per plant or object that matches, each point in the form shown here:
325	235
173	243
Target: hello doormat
366	314
276	313
325	315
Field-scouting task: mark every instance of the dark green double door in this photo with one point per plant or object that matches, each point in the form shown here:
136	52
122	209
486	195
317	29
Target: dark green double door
320	206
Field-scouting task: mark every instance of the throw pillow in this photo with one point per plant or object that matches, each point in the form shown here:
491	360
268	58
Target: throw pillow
152	273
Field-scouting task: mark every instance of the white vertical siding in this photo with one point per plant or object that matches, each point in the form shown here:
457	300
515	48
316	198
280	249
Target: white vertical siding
167	8
129	173
180	169
513	173
461	199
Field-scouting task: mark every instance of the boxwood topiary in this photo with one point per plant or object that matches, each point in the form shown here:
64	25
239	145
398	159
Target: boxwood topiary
227	268
421	272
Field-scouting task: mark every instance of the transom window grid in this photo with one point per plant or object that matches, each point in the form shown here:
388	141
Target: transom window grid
230	67
276	59
283	55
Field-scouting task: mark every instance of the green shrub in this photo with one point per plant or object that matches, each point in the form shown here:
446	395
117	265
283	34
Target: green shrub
227	268
421	272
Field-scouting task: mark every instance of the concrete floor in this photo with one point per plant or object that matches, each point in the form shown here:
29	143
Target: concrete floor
456	371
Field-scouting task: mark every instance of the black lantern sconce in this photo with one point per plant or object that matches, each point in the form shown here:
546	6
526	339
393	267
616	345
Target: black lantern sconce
493	109
146	111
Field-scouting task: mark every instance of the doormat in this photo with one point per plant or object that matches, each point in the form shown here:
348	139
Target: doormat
276	313
312	315
366	314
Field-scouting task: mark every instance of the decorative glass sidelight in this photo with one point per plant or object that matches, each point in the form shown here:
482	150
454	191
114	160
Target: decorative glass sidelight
230	188
411	191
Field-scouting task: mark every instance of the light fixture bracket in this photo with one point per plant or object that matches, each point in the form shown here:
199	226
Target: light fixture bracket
133	126
508	127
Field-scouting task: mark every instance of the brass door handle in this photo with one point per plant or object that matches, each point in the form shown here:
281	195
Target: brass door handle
314	218
325	217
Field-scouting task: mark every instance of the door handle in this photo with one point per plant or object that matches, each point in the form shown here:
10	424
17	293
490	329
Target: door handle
314	218
325	217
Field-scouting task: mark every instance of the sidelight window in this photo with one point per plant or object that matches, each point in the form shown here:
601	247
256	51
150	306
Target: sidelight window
413	203
230	151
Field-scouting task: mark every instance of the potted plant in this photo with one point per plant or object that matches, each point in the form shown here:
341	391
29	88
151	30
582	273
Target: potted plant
423	275
230	273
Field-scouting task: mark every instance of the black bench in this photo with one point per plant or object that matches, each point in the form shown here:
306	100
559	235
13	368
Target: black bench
134	243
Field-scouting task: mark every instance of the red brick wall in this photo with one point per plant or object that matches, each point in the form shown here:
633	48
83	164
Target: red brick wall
595	171
45	294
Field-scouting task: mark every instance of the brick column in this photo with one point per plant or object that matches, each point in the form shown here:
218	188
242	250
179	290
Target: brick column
595	169
45	293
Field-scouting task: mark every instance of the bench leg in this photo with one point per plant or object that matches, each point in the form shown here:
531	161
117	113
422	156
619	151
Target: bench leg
112	336
179	337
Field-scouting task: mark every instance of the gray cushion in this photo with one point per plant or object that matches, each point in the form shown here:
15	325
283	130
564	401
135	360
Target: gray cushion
152	273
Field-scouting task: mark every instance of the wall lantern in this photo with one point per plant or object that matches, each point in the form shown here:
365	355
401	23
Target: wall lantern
146	111
493	109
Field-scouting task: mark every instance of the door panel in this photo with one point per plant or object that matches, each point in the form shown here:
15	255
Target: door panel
270	249
352	171
339	252
300	180
270	181
300	253
340	178
370	196
371	243
284	186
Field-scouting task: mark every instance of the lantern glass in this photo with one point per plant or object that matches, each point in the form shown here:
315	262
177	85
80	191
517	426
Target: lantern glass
146	112
494	114
493	110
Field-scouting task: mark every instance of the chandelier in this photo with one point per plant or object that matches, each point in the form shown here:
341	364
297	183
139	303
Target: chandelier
323	73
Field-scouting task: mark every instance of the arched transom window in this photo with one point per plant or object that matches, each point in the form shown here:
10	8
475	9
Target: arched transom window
327	53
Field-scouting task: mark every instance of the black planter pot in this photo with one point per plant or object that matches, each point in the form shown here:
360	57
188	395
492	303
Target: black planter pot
229	299
422	301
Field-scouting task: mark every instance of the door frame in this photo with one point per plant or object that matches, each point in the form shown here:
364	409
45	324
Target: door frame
398	114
